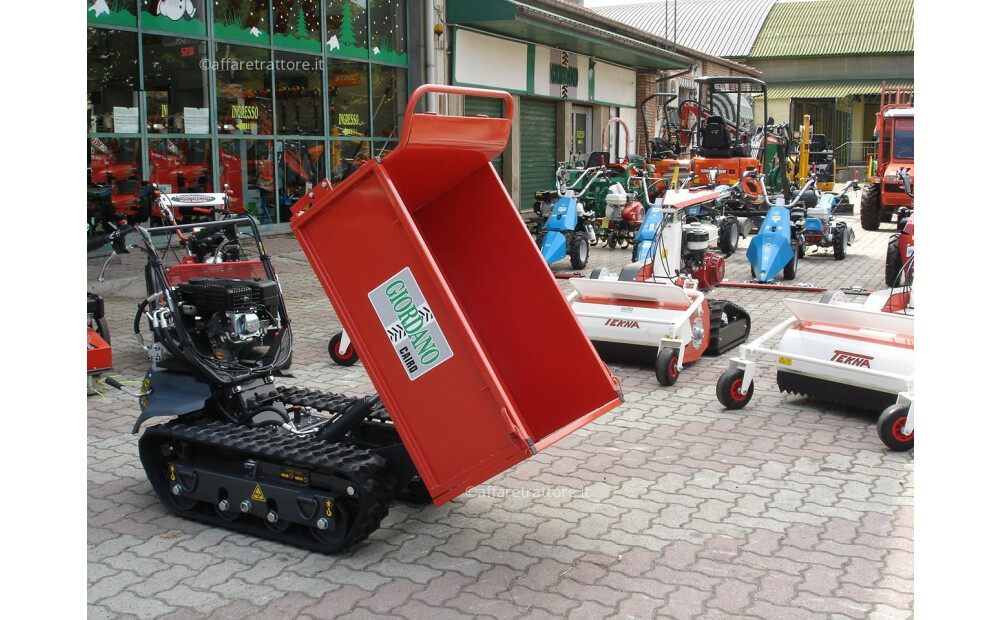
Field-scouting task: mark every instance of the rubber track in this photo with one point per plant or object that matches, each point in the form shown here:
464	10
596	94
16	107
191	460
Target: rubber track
331	403
321	401
718	310
364	469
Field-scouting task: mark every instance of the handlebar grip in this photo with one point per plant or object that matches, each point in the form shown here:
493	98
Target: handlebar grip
95	242
113	383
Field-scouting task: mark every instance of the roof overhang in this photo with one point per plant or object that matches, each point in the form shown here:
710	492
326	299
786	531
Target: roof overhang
527	23
831	89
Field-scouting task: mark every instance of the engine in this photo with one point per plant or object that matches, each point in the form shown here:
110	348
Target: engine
226	318
706	267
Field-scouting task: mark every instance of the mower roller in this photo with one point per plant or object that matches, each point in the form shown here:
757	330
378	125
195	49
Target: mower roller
653	309
454	365
858	355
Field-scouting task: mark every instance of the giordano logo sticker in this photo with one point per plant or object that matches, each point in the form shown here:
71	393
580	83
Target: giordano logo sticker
410	324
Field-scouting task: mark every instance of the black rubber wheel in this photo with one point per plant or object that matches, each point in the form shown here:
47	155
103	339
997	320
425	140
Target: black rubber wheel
890	428
579	250
793	265
729	235
612	240
635	252
801	251
727	389
840	242
893	262
871	209
102	329
666	367
348	358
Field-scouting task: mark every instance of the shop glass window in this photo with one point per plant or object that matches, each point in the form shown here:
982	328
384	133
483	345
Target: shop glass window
388	101
112	81
298	94
243	89
115	190
243	20
111	12
348	84
247	167
176	84
297	24
347	28
346	156
181	165
180	16
388	25
299	166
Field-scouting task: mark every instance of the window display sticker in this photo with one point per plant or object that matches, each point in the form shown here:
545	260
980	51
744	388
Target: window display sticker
410	324
195	120
126	120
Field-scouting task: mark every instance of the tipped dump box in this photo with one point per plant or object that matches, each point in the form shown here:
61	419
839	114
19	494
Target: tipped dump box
458	320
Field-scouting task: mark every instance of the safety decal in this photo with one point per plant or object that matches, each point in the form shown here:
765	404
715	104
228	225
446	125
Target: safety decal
258	494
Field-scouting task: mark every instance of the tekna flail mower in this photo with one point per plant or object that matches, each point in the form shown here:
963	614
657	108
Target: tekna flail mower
442	339
858	355
653	310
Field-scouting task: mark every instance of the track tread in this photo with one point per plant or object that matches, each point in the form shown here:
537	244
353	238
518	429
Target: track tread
366	471
722	313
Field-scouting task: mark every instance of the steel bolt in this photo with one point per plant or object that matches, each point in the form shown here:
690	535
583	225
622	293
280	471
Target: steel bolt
224	505
350	491
322	524
245	505
177	489
272	517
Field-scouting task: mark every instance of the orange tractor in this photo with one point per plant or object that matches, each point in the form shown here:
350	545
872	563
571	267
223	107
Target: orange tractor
885	195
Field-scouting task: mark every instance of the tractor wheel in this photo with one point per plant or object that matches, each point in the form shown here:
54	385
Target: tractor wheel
727	389
801	251
840	242
729	235
348	358
579	250
871	209
893	262
635	252
793	265
890	428
666	367
612	240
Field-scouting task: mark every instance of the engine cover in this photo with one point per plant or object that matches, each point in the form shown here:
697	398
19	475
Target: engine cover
713	271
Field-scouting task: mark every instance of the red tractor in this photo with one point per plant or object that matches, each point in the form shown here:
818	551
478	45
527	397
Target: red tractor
884	195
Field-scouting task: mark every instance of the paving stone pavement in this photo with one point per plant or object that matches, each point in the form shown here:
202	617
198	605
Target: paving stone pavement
668	506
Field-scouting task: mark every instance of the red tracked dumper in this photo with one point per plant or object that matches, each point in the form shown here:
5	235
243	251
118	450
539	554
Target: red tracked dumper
442	338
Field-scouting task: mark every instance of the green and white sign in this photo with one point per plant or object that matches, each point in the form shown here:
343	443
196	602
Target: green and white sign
410	324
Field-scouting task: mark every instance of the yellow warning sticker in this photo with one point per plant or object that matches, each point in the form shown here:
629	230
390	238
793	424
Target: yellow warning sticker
329	508
785	361
258	494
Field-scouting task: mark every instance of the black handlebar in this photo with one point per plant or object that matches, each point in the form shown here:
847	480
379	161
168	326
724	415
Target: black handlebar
113	383
95	242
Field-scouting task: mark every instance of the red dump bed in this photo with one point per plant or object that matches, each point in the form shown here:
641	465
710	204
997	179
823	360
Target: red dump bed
458	320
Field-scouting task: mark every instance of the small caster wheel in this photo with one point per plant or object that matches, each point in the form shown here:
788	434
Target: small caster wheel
890	428
348	357
666	367
727	390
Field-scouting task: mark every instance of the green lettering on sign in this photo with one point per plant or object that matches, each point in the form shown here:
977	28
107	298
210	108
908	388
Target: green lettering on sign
559	74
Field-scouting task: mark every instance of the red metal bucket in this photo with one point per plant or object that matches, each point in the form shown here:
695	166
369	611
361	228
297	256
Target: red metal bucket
458	320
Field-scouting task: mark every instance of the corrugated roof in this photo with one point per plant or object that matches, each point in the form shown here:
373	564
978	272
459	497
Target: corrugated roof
836	27
725	28
830	88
